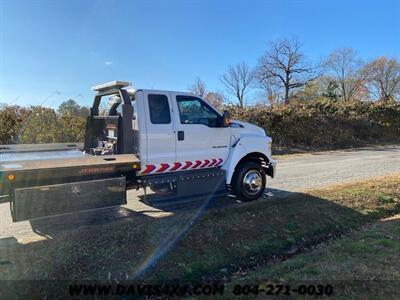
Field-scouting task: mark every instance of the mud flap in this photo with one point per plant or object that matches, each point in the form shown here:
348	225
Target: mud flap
35	202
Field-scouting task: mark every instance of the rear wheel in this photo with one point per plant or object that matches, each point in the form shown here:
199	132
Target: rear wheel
248	182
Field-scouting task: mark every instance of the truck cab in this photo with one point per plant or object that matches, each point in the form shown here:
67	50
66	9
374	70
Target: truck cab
179	131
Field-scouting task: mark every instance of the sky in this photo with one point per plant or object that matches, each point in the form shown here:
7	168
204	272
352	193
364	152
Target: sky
51	51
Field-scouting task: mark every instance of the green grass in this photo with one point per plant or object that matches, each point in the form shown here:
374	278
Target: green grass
364	264
219	245
256	233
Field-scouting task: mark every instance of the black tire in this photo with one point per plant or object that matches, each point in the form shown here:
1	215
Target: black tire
246	182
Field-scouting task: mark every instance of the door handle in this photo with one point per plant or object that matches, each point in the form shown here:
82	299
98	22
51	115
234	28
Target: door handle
181	135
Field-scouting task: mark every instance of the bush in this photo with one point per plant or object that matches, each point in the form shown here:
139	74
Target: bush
11	120
38	124
72	129
323	123
326	123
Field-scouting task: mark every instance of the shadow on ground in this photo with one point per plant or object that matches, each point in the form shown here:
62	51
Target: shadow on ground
173	241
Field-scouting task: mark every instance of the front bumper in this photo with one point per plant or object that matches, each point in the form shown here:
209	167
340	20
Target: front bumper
270	170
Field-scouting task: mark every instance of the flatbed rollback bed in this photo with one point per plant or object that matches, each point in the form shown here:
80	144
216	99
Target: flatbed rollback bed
41	187
50	179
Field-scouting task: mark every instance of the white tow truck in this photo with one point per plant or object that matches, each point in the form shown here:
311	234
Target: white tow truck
164	140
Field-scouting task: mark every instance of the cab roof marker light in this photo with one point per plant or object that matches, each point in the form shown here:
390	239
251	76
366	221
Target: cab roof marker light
110	85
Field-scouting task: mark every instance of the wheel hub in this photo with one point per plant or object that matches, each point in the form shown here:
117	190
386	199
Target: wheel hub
252	182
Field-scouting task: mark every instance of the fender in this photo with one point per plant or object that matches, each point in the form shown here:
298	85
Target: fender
247	144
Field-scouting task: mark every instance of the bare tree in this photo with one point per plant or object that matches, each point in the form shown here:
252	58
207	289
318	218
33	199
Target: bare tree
271	88
215	99
285	64
384	78
347	70
237	80
198	88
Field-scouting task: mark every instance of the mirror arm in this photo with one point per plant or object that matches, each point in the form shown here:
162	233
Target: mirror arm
226	118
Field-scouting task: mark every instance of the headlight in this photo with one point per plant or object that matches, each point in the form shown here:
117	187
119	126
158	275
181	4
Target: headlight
269	146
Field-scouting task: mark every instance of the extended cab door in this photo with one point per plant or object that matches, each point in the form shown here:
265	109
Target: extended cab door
201	139
160	136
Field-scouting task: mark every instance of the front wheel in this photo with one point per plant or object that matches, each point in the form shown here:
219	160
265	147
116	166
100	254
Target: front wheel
248	182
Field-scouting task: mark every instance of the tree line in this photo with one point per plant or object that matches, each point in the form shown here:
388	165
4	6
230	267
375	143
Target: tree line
322	123
340	101
284	74
38	124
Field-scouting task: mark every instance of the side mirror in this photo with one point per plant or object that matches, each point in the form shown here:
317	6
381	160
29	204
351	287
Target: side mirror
226	119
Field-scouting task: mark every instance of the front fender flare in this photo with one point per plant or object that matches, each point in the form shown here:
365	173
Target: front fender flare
245	146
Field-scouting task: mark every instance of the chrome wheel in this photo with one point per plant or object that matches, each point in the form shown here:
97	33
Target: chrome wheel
252	182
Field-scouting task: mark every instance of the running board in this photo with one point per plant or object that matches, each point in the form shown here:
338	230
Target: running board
41	201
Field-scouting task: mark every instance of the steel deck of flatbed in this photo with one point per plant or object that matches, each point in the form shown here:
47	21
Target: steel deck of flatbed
40	155
22	152
12	148
84	160
53	156
58	164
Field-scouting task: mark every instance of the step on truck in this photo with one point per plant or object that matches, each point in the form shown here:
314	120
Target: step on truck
173	143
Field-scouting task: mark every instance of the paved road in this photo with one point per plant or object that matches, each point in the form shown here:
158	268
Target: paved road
295	173
306	171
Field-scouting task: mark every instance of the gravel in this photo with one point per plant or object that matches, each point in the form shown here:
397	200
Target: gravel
300	172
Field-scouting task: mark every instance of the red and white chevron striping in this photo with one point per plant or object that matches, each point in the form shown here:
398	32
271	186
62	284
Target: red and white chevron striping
181	166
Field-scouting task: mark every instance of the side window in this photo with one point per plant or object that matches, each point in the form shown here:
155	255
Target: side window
193	110
159	109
